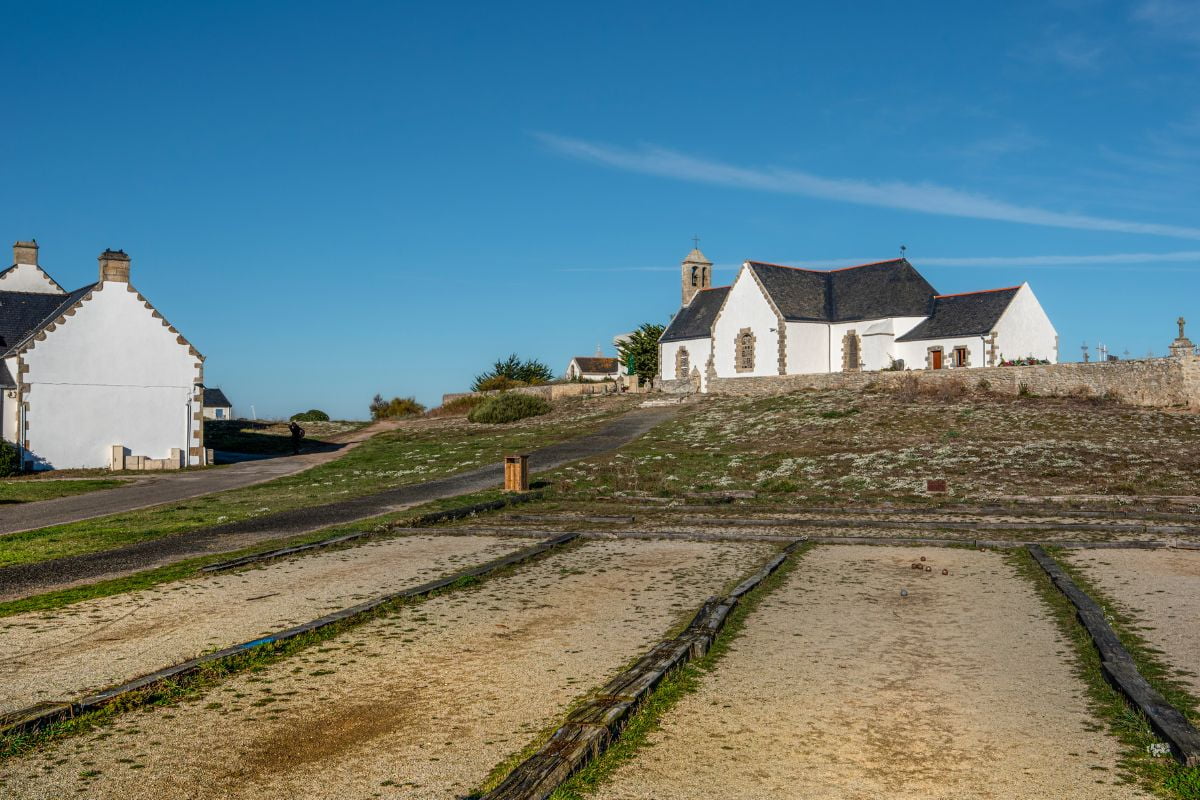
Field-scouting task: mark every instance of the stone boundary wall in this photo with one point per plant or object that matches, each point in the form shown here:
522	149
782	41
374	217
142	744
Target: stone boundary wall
1155	383
550	391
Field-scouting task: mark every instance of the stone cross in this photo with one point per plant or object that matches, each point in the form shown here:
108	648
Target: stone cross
1181	322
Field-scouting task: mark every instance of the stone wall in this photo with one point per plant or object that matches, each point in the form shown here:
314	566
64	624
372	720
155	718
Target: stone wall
550	391
1157	382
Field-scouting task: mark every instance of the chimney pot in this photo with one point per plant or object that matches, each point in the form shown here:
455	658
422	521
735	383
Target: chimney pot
114	266
26	252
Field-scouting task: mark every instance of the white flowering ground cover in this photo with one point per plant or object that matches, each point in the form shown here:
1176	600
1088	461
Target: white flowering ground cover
842	445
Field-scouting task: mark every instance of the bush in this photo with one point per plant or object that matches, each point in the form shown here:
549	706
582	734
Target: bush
458	407
312	415
908	387
496	382
509	407
521	373
395	408
10	459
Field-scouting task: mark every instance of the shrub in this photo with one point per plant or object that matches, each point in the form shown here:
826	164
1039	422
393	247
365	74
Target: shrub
10	459
949	389
312	415
525	373
458	407
908	387
509	407
984	385
496	382
395	408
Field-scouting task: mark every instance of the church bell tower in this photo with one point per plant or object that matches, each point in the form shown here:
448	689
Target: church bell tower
697	274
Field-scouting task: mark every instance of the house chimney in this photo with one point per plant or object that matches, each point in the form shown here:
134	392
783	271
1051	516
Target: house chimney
25	252
114	266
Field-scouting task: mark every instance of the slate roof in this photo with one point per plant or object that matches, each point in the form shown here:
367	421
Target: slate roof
23	314
6	378
694	321
215	398
868	291
970	314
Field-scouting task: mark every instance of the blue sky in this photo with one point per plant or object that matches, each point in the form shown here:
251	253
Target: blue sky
333	200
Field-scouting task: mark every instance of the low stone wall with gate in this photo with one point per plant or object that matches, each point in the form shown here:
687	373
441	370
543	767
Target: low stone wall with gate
1155	382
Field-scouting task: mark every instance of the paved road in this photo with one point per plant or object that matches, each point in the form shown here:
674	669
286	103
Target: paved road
28	579
175	486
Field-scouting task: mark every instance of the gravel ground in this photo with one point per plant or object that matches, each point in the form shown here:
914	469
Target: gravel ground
421	704
91	645
841	688
1161	588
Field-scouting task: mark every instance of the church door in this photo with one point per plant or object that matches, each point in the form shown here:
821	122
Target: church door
937	359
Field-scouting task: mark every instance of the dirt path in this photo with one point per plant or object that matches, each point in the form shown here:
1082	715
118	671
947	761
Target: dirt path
43	576
1162	590
171	487
418	705
840	688
92	645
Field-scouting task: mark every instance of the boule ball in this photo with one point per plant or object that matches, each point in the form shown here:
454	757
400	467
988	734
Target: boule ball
945	572
929	569
904	592
922	558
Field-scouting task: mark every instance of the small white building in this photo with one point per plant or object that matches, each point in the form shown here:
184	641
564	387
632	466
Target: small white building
95	377
779	320
216	404
593	368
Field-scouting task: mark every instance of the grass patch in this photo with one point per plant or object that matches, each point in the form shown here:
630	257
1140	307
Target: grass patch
420	451
191	688
1162	775
30	490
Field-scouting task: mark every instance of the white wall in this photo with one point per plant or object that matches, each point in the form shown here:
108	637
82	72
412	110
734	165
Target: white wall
1025	330
808	348
27	278
914	353
746	307
698	350
111	374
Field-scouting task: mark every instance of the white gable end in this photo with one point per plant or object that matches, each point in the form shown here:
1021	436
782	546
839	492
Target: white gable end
28	278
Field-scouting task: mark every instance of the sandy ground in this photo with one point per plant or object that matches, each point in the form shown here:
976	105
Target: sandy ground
421	704
1161	588
840	688
92	645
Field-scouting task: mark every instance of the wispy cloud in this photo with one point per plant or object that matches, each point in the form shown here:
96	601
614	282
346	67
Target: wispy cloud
925	198
1174	19
1178	261
1070	49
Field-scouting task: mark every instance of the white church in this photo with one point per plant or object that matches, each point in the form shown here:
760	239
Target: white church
95	377
778	320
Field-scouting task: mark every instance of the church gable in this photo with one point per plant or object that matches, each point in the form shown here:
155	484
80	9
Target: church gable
695	320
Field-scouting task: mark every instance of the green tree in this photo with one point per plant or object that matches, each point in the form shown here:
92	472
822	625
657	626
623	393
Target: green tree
512	371
642	346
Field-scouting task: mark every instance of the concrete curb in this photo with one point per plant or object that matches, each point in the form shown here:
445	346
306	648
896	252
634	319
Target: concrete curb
1119	669
422	521
591	729
42	715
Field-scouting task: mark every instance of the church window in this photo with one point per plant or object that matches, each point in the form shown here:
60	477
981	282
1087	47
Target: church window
851	353
682	363
695	276
744	352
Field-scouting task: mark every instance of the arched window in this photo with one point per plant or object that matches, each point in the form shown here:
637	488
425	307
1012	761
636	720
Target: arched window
744	353
682	363
851	353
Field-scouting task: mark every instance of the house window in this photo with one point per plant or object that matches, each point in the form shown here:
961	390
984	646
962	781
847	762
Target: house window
219	413
851	355
682	363
961	358
744	352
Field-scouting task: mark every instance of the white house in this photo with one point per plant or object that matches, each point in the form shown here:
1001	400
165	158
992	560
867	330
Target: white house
778	320
95	377
216	404
593	368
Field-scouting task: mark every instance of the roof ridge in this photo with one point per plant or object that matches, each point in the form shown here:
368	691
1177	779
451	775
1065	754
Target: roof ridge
825	271
980	291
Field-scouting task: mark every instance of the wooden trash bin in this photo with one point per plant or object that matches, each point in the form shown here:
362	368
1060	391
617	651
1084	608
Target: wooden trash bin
516	473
